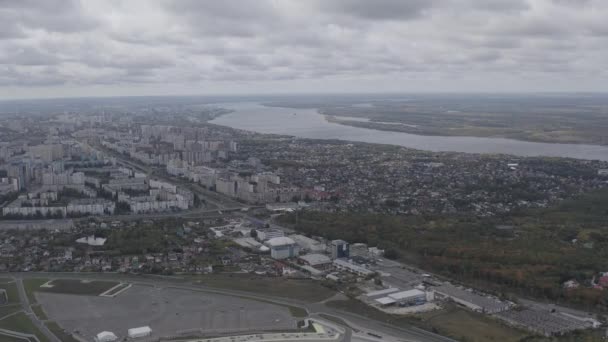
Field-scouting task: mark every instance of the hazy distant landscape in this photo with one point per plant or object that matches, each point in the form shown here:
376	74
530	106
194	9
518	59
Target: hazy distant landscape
555	118
305	171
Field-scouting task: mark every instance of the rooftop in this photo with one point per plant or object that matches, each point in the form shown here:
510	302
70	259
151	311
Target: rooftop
316	259
280	241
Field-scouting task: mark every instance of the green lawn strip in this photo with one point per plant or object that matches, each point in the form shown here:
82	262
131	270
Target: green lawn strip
21	323
11	292
6	338
61	334
39	312
78	287
32	285
9	309
66	286
297	311
299	289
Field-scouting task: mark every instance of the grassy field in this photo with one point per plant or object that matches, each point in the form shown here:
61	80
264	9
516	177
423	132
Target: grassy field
469	326
4	338
454	322
304	290
60	333
297	311
67	286
79	287
11	291
39	312
31	286
9	309
21	323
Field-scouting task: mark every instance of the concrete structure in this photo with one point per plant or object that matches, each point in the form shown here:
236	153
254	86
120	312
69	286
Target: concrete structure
384	301
93	206
8	185
59	181
339	249
318	261
16	209
282	248
46	152
144	204
267	234
541	322
381	293
169	311
469	299
409	297
91	240
359	249
106	336
344	265
307	243
156	184
139	332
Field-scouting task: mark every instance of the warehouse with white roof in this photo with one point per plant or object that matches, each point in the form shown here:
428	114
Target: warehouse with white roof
381	293
409	296
282	248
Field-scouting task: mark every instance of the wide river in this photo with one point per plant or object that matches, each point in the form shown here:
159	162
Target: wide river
308	123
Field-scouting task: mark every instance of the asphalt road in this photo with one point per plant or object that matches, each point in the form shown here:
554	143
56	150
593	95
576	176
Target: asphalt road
360	323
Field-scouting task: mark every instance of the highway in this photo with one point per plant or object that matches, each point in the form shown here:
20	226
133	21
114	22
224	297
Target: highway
356	322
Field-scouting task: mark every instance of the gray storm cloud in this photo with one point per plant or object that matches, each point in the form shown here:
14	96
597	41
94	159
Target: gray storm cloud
59	48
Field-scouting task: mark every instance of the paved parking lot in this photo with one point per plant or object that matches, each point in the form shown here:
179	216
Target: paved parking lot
166	311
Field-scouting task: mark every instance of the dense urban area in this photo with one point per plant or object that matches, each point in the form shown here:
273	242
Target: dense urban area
304	239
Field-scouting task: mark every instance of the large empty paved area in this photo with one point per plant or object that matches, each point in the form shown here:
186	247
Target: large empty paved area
166	311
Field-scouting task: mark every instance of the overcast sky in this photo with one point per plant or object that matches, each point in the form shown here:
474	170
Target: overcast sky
56	48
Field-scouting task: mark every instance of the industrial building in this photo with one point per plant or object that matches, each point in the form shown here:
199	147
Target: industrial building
381	293
344	265
282	248
413	296
470	300
139	332
318	261
308	244
267	234
340	249
395	296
